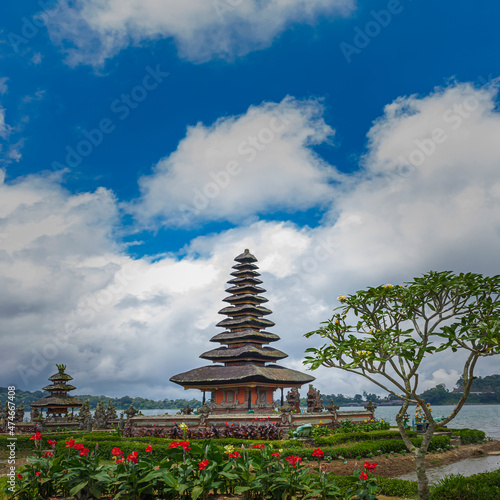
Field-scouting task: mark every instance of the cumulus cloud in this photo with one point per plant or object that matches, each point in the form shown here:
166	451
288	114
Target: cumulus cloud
71	294
93	31
241	166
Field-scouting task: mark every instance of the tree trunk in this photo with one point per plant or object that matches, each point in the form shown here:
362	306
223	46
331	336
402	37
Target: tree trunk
423	482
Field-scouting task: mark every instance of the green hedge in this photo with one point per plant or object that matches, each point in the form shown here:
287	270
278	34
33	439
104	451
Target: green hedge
364	436
483	486
470	436
397	488
366	448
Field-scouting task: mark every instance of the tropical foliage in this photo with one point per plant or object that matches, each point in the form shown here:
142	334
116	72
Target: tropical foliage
384	333
186	470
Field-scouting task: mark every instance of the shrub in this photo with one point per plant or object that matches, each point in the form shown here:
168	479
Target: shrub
365	436
270	431
482	486
470	436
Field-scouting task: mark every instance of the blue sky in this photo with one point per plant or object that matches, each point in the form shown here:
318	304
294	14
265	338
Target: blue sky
156	141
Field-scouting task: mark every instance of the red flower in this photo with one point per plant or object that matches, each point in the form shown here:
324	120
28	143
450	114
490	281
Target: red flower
202	464
37	473
132	457
84	452
70	443
293	460
259	446
47	454
363	476
78	446
149	449
184	445
36	437
19	476
275	454
119	461
116	451
51	443
370	466
318	452
234	455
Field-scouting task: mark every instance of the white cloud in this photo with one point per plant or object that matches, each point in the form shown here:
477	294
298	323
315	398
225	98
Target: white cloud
93	31
3	85
255	163
129	321
37	58
5	129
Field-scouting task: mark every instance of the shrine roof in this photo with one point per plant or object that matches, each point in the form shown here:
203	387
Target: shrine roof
246	334
245	321
246	288
245	257
245	272
246	373
250	308
60	376
57	401
61	387
245	351
245	297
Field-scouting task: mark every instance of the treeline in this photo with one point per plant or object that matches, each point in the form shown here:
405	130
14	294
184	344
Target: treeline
485	390
123	403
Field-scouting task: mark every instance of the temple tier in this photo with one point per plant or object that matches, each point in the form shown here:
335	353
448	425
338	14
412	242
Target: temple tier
248	376
59	402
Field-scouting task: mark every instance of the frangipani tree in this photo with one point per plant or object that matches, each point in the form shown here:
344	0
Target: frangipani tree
399	326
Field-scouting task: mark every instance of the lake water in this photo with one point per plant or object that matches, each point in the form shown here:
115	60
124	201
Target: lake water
483	417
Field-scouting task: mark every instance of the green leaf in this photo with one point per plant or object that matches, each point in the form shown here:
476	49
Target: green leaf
197	491
78	488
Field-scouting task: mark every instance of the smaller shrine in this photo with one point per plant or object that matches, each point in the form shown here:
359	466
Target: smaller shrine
59	403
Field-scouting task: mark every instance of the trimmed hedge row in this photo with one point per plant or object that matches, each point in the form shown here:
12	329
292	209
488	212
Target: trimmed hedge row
483	486
371	448
345	437
470	436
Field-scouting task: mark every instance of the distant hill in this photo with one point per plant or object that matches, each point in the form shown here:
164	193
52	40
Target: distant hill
123	403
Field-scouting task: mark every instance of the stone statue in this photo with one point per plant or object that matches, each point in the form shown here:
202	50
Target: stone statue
318	402
286	413
186	410
204	412
293	399
304	431
314	402
111	412
332	408
35	413
19	417
100	416
84	417
370	408
131	412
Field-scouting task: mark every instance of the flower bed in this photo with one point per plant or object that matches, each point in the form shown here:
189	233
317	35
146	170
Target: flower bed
186	469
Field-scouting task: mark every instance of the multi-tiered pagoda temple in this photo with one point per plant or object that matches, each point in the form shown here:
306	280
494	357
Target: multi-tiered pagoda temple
248	376
59	402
